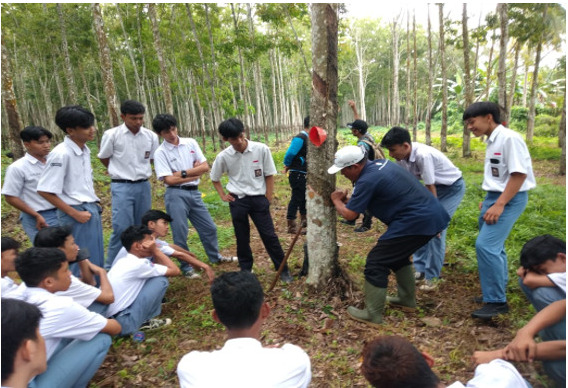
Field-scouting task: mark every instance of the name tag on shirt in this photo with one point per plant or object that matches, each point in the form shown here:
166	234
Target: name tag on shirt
147	155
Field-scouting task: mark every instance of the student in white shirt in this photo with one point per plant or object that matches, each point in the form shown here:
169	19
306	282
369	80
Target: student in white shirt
443	179
81	290
77	340
8	264
508	176
23	347
67	181
127	152
392	361
21	179
239	305
139	284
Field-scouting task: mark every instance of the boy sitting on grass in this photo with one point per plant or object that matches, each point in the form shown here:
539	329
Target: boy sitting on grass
139	285
9	253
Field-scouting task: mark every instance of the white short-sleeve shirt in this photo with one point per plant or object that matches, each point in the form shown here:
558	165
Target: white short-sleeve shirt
127	277
129	153
163	246
68	174
21	181
506	153
246	170
246	364
81	292
497	373
9	288
559	279
431	165
63	318
171	158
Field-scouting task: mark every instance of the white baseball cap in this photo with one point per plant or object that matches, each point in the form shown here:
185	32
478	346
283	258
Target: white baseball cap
345	157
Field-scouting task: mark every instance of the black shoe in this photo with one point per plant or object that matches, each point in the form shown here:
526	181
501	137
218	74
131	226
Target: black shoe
490	310
346	222
286	277
361	229
478	299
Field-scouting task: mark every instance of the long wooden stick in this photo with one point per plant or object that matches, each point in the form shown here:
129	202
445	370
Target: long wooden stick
298	232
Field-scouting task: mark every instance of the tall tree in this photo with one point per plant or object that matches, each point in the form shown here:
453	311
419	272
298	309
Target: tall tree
106	66
466	150
562	138
322	237
502	71
65	46
415	100
10	104
430	82
395	63
165	78
444	130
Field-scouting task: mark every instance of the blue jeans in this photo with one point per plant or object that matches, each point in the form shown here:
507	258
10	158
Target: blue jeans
183	205
74	363
148	304
490	246
129	203
29	222
88	235
430	258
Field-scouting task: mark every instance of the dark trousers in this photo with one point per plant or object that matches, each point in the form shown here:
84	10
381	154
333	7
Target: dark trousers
391	254
297	182
258	208
367	219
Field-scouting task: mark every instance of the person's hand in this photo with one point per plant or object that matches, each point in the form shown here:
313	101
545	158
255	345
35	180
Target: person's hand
339	195
227	198
286	168
521	272
480	205
40	222
95	269
521	348
150	245
492	214
210	274
82	216
351	103
480	357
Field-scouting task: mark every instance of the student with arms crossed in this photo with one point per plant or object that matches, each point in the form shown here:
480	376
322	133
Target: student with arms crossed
21	179
77	340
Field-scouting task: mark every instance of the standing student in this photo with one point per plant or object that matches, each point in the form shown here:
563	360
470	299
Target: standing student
21	179
508	176
180	165
296	165
23	347
443	180
251	171
67	181
127	152
77	340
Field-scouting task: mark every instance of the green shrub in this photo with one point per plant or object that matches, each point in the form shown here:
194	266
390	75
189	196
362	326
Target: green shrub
546	125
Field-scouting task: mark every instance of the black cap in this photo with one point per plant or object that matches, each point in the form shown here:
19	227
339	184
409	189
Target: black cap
358	124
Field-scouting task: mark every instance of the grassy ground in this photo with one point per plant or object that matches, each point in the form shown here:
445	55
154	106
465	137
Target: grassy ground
318	323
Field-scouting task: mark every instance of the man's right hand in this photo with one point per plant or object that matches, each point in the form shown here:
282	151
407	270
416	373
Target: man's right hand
82	216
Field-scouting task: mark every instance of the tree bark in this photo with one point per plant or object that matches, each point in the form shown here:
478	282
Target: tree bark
68	68
444	130
415	106
395	65
511	98
502	72
106	66
562	139
534	84
408	101
166	86
10	104
466	143
321	235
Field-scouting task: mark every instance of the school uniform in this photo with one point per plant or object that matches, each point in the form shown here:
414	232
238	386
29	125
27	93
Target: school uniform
21	181
69	175
434	168
139	287
247	171
75	346
162	245
184	202
129	168
506	153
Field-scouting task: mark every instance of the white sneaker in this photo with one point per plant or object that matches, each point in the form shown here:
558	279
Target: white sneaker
191	274
430	285
228	259
155	323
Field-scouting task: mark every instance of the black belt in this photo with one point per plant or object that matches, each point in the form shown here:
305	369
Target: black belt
127	181
186	187
47	210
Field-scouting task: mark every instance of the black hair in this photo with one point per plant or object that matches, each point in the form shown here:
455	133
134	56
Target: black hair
9	243
306	121
131	107
231	128
35	264
392	361
163	122
53	236
483	108
237	298
33	132
396	135
132	234
73	116
155	215
540	249
20	321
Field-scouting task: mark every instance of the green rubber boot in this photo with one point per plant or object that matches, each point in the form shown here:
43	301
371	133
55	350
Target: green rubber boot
406	286
375	298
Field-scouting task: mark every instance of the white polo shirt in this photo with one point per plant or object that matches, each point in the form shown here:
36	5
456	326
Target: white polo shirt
506	153
9	288
430	165
559	279
129	153
170	158
163	246
81	292
246	364
497	373
246	170
127	277
21	181
63	318
68	174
